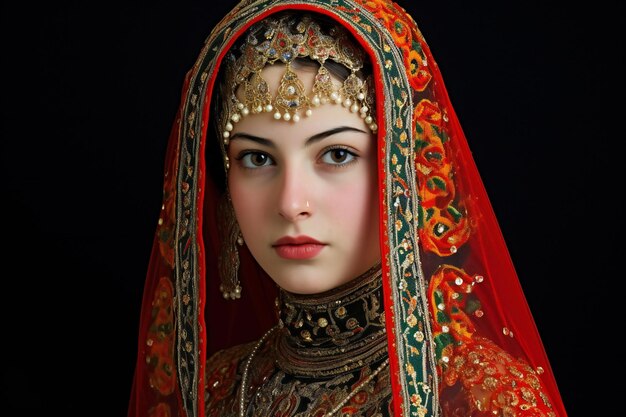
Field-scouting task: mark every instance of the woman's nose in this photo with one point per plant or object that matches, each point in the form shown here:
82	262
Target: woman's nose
294	202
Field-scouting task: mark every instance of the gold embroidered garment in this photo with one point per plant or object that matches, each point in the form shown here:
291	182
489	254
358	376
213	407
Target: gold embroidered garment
326	345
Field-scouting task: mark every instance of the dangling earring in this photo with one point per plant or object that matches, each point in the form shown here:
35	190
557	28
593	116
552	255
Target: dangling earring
228	260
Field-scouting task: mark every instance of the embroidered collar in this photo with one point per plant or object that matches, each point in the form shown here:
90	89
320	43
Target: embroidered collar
333	332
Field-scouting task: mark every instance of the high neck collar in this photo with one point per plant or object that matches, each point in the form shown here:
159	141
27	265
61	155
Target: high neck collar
333	332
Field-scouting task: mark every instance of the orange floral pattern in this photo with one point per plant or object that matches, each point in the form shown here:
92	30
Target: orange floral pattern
406	37
444	226
452	301
419	76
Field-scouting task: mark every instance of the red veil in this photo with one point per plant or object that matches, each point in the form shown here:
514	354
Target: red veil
450	287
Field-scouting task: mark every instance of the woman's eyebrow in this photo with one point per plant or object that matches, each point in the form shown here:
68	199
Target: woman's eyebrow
322	135
259	140
315	138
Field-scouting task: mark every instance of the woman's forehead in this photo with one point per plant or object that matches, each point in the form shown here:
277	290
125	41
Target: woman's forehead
323	118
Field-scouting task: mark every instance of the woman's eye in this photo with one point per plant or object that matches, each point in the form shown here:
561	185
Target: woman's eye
338	156
255	160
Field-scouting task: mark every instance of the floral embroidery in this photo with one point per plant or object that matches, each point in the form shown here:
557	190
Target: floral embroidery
444	226
495	382
160	341
451	302
221	378
419	76
401	33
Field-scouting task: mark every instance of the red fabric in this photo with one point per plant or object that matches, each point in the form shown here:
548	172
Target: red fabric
507	305
504	289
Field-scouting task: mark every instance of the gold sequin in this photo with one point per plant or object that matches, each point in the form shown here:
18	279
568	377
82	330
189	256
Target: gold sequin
306	336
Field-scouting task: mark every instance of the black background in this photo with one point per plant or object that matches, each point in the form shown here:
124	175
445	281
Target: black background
89	93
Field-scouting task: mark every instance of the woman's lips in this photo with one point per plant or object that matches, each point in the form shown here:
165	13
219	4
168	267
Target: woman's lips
299	247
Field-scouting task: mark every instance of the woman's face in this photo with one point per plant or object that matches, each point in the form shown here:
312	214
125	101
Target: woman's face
305	193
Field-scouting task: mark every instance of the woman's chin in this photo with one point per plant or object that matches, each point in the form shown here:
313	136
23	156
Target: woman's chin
308	283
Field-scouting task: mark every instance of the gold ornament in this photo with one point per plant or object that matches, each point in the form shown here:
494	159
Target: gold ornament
283	40
228	260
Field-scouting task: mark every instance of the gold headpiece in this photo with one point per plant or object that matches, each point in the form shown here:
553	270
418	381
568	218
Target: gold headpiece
284	39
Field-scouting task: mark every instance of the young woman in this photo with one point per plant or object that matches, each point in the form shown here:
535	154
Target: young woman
326	246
